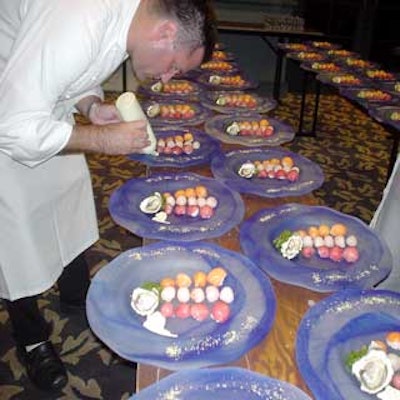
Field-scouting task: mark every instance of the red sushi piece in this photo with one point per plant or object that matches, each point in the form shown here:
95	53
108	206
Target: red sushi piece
220	311
350	254
193	211
182	310
292	175
323	252
199	311
308	252
336	253
167	309
206	212
180	210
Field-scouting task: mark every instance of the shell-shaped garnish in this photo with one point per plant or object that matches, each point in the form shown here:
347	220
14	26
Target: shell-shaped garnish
221	100
156	323
233	129
143	301
390	393
153	110
214	79
374	371
157	87
151	204
247	170
292	247
161	217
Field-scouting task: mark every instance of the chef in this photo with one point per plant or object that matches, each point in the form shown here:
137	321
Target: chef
54	55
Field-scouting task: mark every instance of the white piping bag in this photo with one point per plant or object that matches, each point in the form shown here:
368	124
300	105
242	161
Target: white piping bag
130	110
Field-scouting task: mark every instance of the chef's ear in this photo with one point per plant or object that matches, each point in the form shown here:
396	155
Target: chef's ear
167	31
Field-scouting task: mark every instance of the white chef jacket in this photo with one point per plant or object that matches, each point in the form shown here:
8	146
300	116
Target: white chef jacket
52	54
386	222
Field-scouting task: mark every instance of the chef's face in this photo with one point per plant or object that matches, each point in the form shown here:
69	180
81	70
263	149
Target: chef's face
163	60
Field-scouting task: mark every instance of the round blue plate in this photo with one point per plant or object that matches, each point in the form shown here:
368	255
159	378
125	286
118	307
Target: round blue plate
383	114
125	201
335	326
220	384
263	104
201	114
304	56
198	344
146	89
329	80
204	79
208	148
216	127
355	94
208	67
225	167
321	275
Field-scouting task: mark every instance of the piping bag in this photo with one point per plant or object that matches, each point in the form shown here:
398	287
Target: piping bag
130	110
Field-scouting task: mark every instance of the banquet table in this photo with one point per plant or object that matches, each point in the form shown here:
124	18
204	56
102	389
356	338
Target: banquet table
274	356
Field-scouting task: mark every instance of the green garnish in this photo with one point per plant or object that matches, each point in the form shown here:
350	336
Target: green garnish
282	238
152	286
354	356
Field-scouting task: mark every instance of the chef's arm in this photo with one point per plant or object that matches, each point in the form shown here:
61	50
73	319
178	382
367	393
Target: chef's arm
114	139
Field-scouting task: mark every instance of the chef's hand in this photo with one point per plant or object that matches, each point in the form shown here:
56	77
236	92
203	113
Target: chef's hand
102	113
125	138
118	138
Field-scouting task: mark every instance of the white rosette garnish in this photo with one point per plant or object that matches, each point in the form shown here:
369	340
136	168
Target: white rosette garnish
144	302
221	100
151	204
157	87
374	371
233	129
214	79
292	247
247	170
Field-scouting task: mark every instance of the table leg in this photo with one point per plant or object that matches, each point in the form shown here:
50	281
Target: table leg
316	107
278	74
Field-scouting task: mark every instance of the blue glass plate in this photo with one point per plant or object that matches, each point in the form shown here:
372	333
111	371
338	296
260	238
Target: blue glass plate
125	201
225	168
329	79
315	66
198	344
263	104
383	114
308	55
321	275
208	148
355	94
204	79
146	89
208	67
222	55
201	114
220	384
335	326
216	127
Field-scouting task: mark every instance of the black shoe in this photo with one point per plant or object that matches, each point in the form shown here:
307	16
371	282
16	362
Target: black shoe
44	367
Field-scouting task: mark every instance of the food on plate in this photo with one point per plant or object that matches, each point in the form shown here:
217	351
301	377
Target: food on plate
191	201
395	116
374	94
322	44
177	144
379	74
328	242
172	111
376	366
295	46
227	80
358	63
397	87
339	53
274	168
325	66
346	79
261	128
217	66
173	87
180	297
243	100
219	55
309	55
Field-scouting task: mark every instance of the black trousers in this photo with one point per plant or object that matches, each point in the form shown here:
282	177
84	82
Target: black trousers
28	324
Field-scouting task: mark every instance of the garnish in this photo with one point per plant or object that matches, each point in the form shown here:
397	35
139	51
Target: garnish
354	356
282	238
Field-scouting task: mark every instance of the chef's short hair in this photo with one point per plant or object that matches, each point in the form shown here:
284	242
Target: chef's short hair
196	21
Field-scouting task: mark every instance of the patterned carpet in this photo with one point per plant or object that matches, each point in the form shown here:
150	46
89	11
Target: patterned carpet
353	152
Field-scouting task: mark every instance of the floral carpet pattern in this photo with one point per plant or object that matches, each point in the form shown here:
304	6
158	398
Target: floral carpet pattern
353	152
